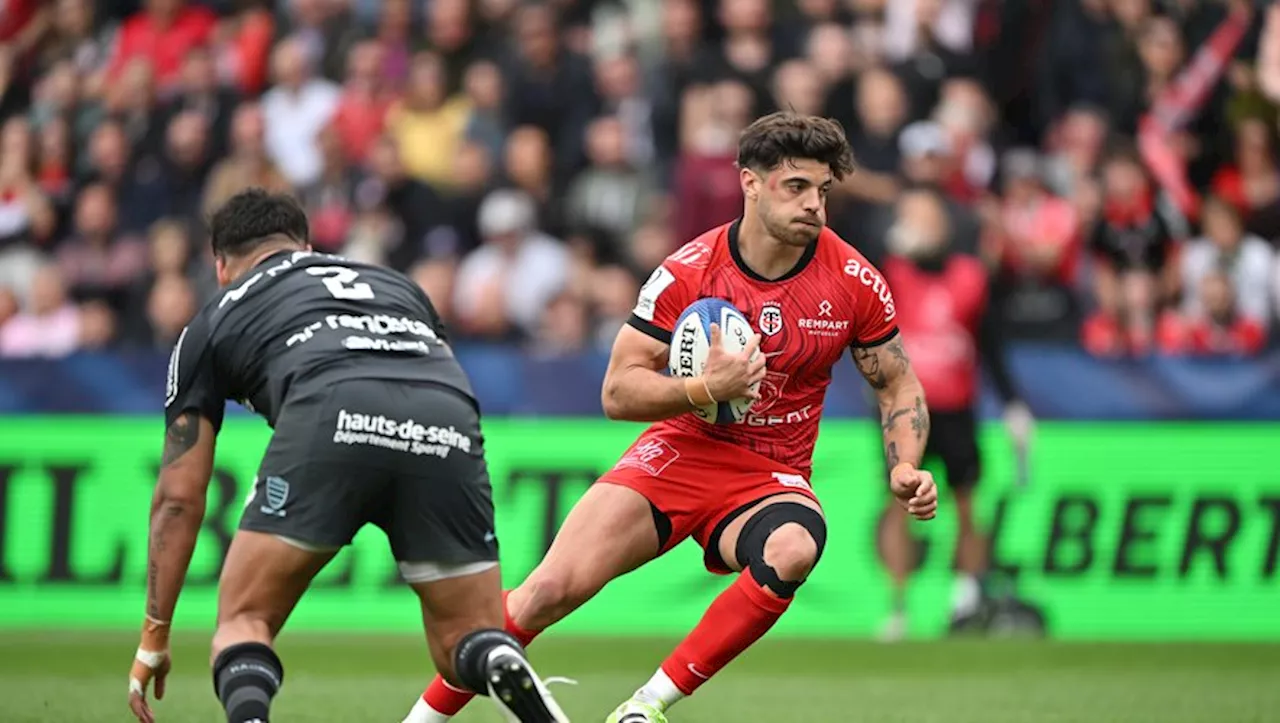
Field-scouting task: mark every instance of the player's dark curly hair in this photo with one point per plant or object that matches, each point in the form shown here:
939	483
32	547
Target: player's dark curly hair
254	217
777	137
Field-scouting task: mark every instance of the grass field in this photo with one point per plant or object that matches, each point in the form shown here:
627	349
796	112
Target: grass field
71	678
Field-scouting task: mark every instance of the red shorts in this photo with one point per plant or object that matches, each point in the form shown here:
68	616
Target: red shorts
696	484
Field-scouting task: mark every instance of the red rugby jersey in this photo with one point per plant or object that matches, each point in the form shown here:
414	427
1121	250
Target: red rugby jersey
831	300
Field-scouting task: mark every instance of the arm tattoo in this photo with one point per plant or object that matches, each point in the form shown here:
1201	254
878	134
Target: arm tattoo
180	437
868	362
899	353
891	421
891	455
153	574
920	422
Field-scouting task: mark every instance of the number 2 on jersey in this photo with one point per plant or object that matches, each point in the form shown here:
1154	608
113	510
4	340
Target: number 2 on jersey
341	282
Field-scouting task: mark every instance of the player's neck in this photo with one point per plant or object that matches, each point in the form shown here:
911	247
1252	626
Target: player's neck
237	269
765	255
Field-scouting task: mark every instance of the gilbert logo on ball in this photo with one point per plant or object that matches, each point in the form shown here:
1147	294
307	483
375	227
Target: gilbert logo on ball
691	343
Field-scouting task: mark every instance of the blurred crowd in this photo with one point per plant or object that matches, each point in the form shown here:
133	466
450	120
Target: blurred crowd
1113	162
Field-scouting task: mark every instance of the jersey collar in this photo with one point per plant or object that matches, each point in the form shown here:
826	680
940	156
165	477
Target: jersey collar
809	252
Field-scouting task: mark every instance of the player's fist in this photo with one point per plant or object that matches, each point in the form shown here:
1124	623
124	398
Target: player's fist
915	490
147	666
731	376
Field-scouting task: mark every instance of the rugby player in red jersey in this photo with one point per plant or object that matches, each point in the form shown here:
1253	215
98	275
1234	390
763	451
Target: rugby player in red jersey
742	490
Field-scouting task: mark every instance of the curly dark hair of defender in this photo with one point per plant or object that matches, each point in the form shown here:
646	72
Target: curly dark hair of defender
778	137
254	217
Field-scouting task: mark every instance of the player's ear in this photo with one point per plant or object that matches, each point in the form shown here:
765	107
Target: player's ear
220	269
750	183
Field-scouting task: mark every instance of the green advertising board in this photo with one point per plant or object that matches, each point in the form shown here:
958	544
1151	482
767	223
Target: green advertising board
1135	531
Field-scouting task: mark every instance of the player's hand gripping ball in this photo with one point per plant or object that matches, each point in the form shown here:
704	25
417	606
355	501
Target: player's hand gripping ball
714	340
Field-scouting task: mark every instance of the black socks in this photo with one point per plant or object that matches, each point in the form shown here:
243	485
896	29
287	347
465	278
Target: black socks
246	677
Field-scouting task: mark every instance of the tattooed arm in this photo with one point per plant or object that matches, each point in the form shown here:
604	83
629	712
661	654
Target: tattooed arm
177	509
904	418
903	414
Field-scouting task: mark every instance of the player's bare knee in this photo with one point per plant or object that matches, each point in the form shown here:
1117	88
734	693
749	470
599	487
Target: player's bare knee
780	544
791	552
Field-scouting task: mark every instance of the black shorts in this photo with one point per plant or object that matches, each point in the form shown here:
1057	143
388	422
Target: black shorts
953	440
405	456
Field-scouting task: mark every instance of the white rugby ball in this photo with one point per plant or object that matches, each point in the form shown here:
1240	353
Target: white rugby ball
691	342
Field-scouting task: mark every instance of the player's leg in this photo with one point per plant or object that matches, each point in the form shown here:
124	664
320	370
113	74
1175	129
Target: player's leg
897	551
307	502
463	617
610	531
263	577
773	543
964	468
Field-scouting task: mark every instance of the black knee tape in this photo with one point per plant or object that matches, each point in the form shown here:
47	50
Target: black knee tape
246	677
472	653
755	533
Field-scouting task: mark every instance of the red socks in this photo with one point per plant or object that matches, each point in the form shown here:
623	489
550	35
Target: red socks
741	615
445	698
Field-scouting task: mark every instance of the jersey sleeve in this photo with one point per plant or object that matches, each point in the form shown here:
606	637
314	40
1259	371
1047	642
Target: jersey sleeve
191	384
875	318
661	301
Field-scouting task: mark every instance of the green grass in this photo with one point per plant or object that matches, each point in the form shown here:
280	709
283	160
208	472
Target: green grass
70	677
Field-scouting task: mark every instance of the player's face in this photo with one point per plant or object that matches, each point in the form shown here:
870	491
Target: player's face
791	200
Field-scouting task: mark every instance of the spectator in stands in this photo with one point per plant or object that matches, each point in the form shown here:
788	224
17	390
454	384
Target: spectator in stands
242	47
1131	246
130	100
1251	180
1075	146
135	181
170	306
611	194
487	123
420	225
295	111
48	325
828	48
427	124
488	300
366	98
618	82
186	166
248	164
1219	329
550	86
565	327
1226	247
163	33
26	217
394	35
528	165
98	262
330	201
73	38
325	31
197	91
1037	246
965	115
473	174
707	190
450	33
612	296
55	169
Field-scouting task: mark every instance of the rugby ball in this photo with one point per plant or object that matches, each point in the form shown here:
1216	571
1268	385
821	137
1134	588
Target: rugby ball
691	342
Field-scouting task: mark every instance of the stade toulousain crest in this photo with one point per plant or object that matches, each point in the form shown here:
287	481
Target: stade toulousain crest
770	319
